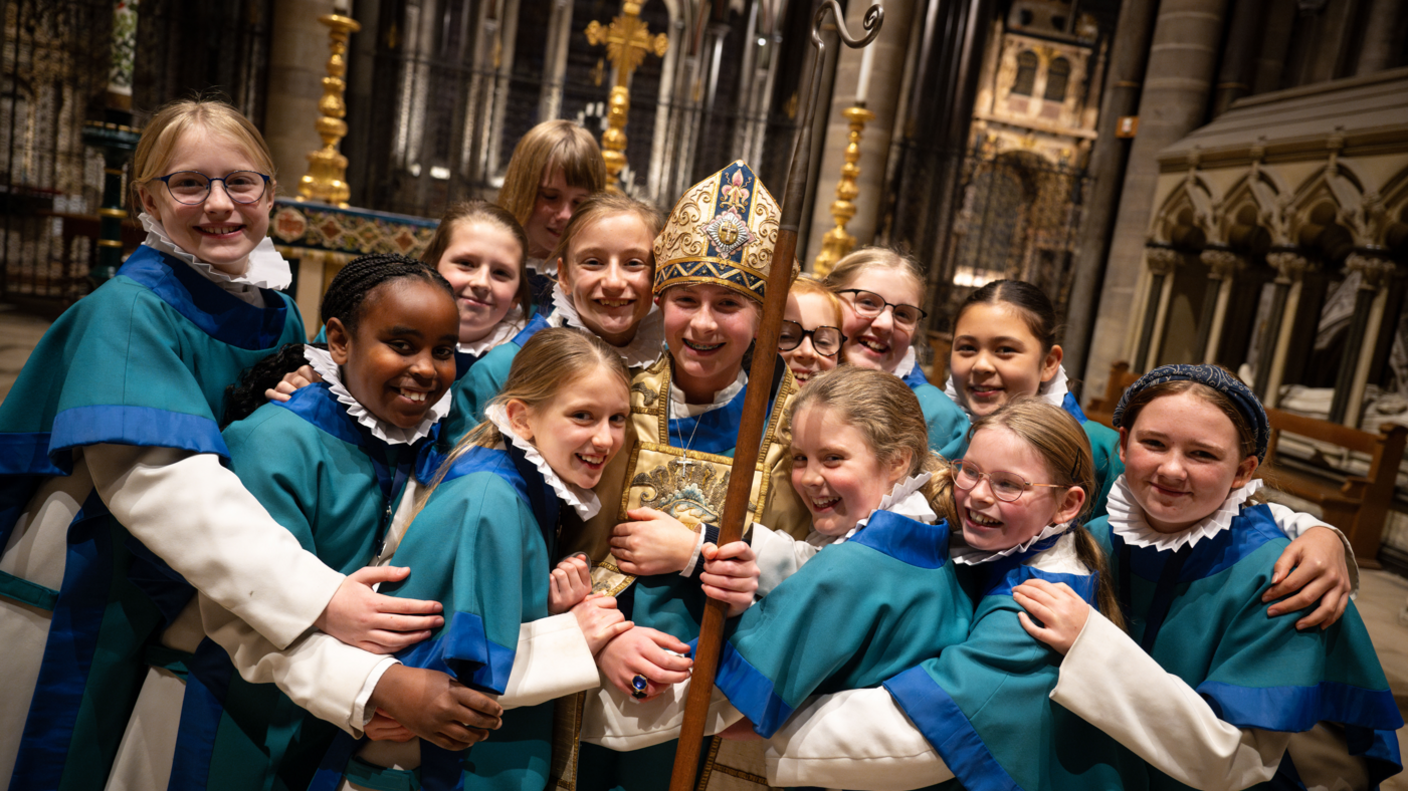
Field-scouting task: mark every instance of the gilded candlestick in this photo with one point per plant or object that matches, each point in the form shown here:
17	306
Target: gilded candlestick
327	167
837	241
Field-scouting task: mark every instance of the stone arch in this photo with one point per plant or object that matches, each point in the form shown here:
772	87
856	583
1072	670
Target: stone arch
1025	81
1186	216
1393	207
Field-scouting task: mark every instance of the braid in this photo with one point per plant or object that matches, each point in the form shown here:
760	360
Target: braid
248	395
349	289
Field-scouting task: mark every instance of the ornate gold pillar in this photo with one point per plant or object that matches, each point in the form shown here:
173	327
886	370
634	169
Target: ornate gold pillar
837	242
327	167
1290	278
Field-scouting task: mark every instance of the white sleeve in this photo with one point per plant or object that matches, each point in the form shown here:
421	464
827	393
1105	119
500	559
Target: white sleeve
779	555
329	678
617	721
552	660
1295	523
1110	682
858	739
197	516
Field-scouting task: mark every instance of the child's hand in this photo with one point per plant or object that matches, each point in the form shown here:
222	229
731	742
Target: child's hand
570	583
383	728
600	621
1058	607
730	574
645	652
361	617
1321	573
304	376
435	707
655	543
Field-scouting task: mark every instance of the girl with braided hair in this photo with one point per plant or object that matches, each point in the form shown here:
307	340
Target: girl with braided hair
110	446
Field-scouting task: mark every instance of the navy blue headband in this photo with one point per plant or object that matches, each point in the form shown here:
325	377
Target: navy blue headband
1219	379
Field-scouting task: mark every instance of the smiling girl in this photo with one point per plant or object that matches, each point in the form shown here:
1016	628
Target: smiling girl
112	441
1204	687
811	338
881	292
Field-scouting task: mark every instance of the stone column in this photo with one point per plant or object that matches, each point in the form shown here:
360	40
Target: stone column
1234	78
1223	266
1381	34
1374	270
1177	84
1161	261
298	60
1276	340
882	99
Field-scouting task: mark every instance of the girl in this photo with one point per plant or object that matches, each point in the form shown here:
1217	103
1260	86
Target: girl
553	169
811	337
604	271
979	710
330	465
482	543
1204	688
112	427
880	292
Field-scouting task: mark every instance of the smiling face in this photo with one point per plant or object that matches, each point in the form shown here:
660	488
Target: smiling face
810	311
879	342
993	525
579	430
1181	460
483	262
836	471
400	359
552	208
708	329
608	275
218	231
996	358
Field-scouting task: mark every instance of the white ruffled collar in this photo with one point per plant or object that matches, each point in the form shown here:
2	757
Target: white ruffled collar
906	364
679	408
642	351
541	266
1128	522
502	332
265	268
965	555
321	360
583	501
905	499
1052	392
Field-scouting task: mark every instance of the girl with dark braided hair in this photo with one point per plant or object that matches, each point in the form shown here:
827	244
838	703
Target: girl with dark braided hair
331	465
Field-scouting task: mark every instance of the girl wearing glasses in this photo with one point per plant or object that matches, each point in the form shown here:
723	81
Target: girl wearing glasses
112	447
880	292
811	337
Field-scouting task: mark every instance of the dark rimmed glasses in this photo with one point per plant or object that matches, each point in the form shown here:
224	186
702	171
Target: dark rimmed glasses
192	188
825	340
868	305
1004	485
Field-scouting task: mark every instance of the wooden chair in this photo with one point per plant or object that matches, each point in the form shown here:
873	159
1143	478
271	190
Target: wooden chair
1357	505
1102	408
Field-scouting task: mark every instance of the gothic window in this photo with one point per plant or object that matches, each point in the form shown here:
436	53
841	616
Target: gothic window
1057	75
1026	73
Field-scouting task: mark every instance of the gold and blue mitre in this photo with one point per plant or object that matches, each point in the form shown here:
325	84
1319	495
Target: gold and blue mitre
722	232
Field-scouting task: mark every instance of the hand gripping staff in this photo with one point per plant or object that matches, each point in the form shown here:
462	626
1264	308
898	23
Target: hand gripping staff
755	405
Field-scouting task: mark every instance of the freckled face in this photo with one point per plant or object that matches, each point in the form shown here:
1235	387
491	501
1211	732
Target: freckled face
837	472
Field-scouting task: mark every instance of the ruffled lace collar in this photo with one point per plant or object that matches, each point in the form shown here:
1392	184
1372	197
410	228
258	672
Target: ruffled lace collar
906	364
679	408
641	352
265	268
905	499
541	266
512	323
1127	518
321	360
963	554
1052	392
583	501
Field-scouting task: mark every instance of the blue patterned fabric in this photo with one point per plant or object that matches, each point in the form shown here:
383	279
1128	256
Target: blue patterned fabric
1219	379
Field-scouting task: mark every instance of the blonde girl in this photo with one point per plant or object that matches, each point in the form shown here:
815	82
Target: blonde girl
811	338
112	443
554	167
881	293
1205	688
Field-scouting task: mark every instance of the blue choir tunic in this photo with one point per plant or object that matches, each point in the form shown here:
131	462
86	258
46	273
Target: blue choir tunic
143	361
854	615
1197	611
983	704
484	381
482	547
947	422
334	485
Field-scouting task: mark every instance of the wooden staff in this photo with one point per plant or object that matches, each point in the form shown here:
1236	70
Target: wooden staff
755	403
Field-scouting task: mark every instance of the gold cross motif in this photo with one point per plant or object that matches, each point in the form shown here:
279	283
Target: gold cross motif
627	41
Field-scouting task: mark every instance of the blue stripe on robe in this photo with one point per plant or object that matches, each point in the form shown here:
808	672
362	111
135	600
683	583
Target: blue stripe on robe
945	726
889	533
1070	405
134	425
1211	555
